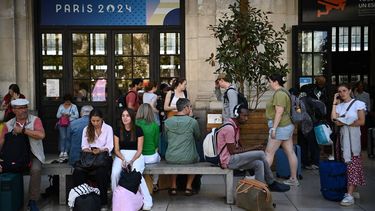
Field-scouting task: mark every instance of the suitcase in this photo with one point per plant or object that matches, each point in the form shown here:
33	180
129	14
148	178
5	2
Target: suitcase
370	142
333	181
11	191
282	163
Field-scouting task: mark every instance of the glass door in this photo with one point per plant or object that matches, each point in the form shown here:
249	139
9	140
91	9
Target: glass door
311	55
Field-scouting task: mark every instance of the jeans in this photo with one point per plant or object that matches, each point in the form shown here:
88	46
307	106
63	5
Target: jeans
255	160
64	139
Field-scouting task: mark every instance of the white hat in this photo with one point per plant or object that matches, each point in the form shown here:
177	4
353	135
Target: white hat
85	110
19	102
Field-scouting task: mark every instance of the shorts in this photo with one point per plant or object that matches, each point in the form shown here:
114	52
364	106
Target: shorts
282	133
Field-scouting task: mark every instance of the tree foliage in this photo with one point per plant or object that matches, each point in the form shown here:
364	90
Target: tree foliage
250	49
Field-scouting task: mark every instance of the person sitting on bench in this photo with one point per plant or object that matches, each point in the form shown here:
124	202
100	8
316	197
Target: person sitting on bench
234	156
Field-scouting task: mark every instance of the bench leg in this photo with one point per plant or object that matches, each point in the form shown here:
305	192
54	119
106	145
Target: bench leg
229	187
62	189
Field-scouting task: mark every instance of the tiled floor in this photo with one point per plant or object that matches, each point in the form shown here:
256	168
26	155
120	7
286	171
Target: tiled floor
306	197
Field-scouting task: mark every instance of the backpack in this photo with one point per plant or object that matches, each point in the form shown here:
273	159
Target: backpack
15	153
297	108
210	146
122	99
241	99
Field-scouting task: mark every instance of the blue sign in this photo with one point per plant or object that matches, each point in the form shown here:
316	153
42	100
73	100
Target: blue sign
110	12
304	81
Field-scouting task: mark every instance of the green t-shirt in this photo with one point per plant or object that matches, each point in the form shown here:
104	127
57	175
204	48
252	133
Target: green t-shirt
279	98
151	136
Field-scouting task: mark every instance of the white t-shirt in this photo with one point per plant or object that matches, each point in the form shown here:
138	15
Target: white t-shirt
353	111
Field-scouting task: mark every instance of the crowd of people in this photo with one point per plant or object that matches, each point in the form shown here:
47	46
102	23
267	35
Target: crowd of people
168	110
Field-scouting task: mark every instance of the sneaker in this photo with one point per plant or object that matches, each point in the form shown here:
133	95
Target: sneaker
291	182
278	187
32	206
348	200
104	208
65	155
314	167
309	167
146	207
61	155
356	195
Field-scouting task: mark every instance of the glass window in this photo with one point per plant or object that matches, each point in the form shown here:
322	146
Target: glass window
355	38
365	38
333	39
169	56
52	65
306	41
320	40
132	59
90	66
320	64
306	64
343	38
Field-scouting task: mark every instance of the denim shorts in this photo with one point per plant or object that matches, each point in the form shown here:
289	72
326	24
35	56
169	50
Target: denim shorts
282	133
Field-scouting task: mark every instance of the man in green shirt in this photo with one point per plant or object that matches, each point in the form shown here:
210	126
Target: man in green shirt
182	132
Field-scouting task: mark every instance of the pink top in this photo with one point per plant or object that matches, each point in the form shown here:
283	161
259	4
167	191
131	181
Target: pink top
227	135
103	141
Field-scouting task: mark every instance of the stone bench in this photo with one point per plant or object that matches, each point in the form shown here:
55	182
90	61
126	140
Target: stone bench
61	169
203	168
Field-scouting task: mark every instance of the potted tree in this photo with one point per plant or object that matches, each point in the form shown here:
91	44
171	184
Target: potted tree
249	49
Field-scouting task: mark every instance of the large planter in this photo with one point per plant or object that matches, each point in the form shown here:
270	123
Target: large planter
255	131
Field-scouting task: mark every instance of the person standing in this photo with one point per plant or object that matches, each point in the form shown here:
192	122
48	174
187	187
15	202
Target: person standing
13	94
350	137
132	99
31	126
151	98
178	90
76	130
281	126
66	110
230	98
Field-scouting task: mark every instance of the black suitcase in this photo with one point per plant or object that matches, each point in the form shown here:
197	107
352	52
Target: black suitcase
370	142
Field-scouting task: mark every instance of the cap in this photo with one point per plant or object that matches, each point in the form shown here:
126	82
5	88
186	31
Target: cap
19	102
221	76
85	110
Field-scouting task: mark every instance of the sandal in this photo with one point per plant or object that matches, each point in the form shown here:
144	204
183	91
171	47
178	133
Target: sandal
172	191
155	188
189	192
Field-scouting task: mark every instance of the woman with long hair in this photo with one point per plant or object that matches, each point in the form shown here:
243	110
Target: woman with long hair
281	127
349	115
151	132
178	90
97	137
128	143
68	110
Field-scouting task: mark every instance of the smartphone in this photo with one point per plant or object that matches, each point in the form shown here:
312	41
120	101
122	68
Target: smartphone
338	97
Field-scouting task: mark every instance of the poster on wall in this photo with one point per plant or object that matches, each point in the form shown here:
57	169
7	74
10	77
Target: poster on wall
52	88
110	12
337	10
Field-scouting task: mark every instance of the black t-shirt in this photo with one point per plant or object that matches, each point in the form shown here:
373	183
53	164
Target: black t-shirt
126	143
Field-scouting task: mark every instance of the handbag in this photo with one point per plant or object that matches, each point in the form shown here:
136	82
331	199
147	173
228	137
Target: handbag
64	120
323	134
90	160
254	195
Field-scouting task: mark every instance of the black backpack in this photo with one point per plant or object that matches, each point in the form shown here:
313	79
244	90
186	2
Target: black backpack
241	99
88	202
15	153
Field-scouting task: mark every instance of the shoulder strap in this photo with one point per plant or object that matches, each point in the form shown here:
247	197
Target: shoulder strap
172	96
235	135
226	92
350	105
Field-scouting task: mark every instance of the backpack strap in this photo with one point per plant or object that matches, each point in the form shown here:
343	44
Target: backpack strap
226	93
172	96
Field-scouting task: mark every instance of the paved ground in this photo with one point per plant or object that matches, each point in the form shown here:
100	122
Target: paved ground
306	197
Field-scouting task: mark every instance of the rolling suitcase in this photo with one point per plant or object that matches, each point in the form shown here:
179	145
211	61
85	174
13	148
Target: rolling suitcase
11	191
370	142
333	181
282	163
